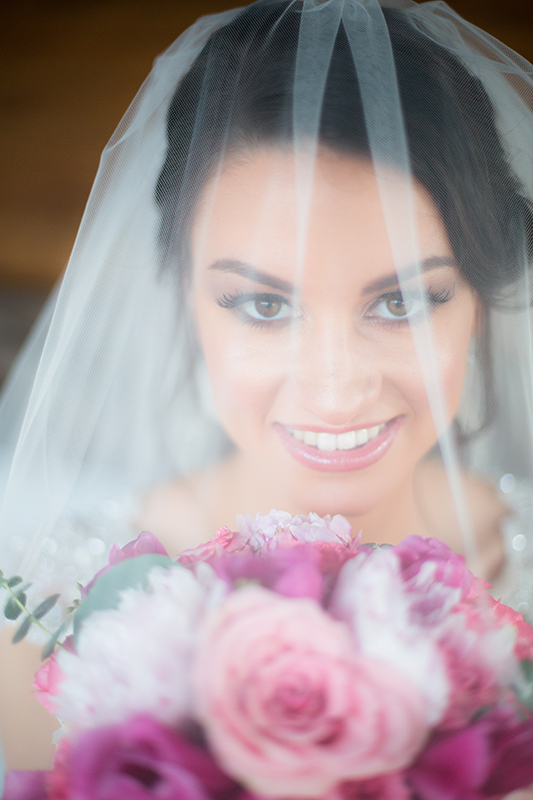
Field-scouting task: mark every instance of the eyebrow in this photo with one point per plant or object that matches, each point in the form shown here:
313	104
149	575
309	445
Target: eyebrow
255	275
385	282
427	264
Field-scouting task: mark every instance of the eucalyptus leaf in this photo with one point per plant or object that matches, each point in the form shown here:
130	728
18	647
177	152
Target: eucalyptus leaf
12	610
22	630
43	608
129	574
48	649
14	581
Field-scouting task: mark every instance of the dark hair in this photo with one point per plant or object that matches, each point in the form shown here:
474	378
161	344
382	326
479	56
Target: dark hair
241	89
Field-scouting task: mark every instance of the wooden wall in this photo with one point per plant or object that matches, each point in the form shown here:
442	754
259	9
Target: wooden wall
68	70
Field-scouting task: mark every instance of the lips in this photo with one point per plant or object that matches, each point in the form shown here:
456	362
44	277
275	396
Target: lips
332	453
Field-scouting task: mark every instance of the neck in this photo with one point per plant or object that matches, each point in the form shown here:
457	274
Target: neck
391	521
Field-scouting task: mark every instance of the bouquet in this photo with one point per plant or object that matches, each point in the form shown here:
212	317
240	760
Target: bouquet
286	660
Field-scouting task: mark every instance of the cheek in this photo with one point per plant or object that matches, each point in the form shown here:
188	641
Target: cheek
245	377
450	354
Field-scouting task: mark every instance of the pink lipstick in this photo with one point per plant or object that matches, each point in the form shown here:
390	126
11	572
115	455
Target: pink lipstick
339	460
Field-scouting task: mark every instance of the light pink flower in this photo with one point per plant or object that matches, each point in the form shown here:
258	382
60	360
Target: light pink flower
289	706
279	526
261	534
225	541
49	677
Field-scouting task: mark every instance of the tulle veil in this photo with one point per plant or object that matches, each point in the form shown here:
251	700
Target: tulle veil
111	393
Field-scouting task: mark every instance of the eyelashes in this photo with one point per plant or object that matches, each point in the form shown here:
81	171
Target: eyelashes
398	308
263	308
266	309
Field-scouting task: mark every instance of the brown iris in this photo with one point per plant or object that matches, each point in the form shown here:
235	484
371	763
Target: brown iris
397	306
267	307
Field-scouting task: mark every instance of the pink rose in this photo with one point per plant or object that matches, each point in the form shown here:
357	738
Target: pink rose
289	706
145	544
386	787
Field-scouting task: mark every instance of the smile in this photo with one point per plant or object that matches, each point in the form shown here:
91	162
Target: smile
339	452
348	440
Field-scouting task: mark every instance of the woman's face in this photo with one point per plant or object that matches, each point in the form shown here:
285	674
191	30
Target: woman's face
308	341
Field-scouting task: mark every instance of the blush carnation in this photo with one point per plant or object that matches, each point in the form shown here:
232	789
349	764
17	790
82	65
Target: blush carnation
370	596
448	568
121	668
289	706
478	664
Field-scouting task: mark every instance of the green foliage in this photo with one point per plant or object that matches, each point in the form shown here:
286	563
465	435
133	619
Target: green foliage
524	691
22	629
50	646
129	574
16	605
46	606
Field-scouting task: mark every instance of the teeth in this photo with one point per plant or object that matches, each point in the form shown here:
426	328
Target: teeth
346	441
362	436
326	441
341	441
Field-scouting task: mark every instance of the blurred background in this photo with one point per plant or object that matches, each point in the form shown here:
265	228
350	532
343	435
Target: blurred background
68	71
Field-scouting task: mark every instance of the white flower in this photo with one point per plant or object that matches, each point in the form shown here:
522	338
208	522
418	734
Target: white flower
137	658
370	595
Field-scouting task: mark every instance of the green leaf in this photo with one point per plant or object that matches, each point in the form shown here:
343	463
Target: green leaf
12	610
47	604
16	579
22	630
129	574
48	649
524	691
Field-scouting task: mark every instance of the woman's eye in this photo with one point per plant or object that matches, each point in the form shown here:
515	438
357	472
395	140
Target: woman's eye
395	306
267	306
259	307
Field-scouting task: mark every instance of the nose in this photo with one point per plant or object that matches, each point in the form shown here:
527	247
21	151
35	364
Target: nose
334	374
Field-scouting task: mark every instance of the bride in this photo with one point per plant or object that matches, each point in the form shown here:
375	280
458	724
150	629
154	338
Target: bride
301	282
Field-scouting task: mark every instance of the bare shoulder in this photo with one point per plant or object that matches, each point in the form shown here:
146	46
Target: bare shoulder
434	498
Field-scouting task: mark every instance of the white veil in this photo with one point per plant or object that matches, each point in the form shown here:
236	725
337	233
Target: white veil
111	393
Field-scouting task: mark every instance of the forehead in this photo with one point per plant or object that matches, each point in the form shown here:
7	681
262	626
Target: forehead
308	217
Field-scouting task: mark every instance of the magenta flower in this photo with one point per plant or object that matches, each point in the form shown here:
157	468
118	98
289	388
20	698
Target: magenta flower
491	758
448	568
292	572
25	785
145	544
139	760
